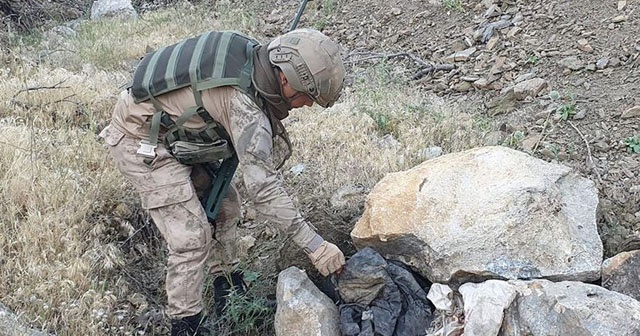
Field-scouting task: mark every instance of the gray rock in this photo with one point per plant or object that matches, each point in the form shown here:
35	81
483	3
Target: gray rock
484	306
632	112
303	310
11	325
113	8
529	88
619	18
621	273
524	77
431	152
346	195
581	114
461	56
572	62
486	32
602	63
569	308
489	212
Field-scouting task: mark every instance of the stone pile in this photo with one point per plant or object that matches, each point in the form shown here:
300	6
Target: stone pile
512	237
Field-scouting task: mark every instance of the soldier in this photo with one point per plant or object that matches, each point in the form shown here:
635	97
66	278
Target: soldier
194	110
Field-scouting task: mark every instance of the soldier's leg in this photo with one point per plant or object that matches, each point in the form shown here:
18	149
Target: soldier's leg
188	236
224	253
166	192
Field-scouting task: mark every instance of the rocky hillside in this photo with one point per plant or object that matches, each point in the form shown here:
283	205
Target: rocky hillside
574	65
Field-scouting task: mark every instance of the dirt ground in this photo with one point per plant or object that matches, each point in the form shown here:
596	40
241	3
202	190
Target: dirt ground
587	52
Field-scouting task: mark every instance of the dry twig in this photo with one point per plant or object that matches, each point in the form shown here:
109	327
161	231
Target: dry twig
36	88
425	67
590	157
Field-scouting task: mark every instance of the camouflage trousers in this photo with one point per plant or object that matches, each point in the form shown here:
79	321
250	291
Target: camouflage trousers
169	192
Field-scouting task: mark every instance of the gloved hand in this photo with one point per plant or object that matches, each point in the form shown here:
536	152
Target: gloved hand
327	258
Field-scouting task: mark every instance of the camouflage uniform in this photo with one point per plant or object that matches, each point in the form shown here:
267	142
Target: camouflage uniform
168	189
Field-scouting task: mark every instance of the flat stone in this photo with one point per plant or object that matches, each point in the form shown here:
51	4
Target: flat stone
622	4
461	56
602	63
621	273
572	62
631	113
529	88
482	84
492	42
619	18
584	45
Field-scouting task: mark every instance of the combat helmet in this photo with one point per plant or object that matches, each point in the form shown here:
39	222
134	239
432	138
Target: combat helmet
311	62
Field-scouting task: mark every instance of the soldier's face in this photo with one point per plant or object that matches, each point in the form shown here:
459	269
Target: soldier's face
294	98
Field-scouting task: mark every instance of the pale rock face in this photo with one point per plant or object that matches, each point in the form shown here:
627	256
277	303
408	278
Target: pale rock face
110	8
303	310
543	308
621	273
570	308
489	212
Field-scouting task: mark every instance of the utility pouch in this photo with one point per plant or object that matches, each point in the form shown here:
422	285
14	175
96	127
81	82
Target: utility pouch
190	153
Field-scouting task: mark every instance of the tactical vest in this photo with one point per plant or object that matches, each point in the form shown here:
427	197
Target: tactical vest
213	59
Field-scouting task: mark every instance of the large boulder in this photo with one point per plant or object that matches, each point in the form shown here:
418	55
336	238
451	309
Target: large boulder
570	309
542	308
489	212
303	310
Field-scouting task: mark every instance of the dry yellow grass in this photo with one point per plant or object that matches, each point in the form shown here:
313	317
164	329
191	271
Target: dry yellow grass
60	195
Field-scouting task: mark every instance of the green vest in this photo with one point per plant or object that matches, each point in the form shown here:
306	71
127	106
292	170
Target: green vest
203	62
213	59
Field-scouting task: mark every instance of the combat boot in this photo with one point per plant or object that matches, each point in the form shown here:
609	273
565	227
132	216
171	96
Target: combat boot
189	326
222	288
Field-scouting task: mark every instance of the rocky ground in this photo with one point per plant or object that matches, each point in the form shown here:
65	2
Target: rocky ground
583	57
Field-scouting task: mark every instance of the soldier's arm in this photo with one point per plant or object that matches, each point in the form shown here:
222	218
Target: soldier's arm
251	134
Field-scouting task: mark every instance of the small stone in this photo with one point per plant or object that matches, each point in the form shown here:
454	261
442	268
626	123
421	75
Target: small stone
611	26
584	45
634	189
602	63
524	77
581	114
462	86
529	88
431	152
518	18
591	67
469	78
572	62
632	112
461	56
529	143
513	31
614	62
619	18
493	11
482	84
492	42
396	11
622	4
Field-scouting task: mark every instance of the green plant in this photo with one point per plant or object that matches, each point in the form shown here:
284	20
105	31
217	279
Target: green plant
453	5
533	59
567	111
633	144
327	8
514	139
